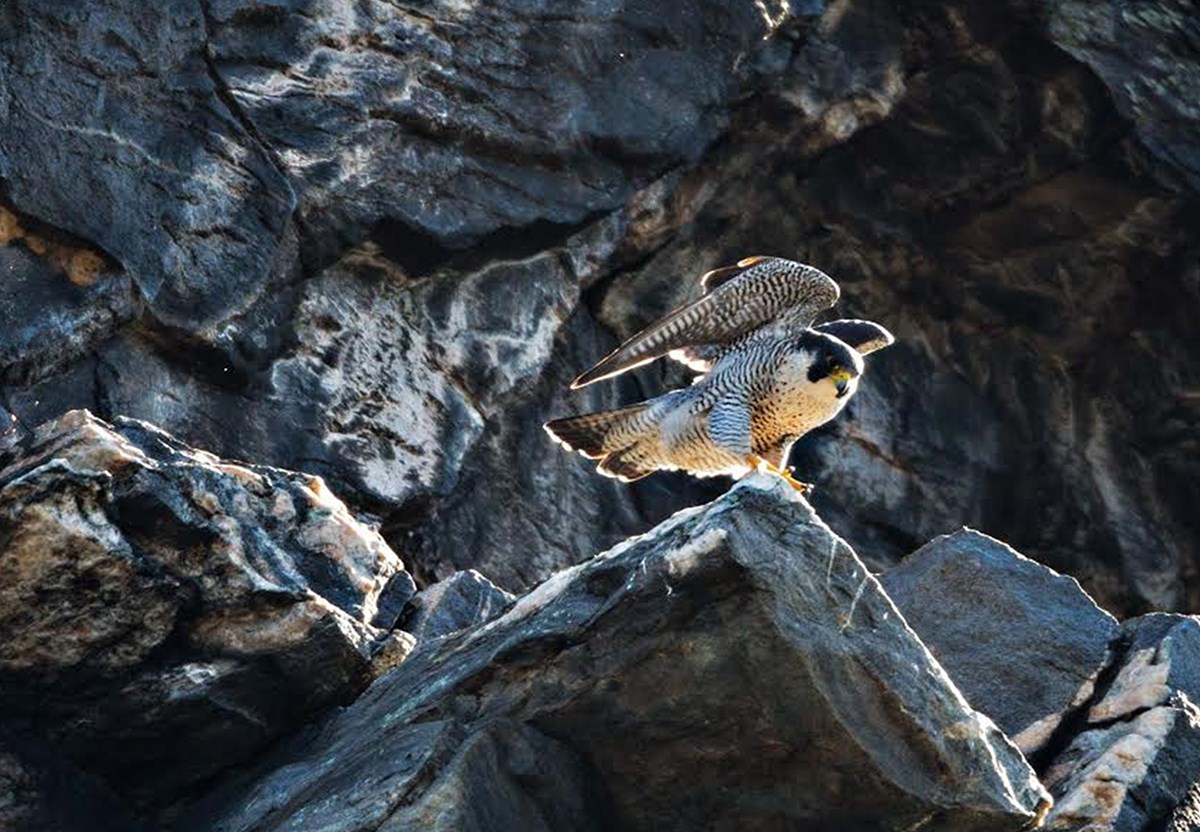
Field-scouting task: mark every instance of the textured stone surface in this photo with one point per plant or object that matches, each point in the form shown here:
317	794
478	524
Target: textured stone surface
469	117
1023	643
372	241
116	129
1136	758
164	610
531	172
743	644
1148	55
1000	222
465	599
69	318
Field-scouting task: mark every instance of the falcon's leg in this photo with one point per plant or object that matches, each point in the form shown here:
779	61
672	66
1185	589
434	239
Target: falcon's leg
773	466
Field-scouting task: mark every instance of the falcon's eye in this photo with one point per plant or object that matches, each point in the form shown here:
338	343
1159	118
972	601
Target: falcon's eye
831	362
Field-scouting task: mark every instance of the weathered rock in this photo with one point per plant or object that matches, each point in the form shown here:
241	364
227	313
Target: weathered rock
456	120
164	610
421	400
46	321
1136	759
578	513
114	127
1023	643
1149	58
995	214
465	599
736	668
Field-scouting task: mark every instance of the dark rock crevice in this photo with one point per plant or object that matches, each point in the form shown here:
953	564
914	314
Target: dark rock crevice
1075	721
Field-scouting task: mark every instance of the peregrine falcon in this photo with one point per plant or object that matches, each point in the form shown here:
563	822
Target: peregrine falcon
768	377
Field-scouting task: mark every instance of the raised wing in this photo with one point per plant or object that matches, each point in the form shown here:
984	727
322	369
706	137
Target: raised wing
863	336
713	279
763	290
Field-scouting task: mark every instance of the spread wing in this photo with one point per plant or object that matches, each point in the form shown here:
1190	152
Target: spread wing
864	336
757	293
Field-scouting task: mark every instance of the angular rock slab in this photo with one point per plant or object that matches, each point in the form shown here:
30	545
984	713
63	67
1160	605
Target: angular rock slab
166	613
1135	763
735	668
465	599
1023	643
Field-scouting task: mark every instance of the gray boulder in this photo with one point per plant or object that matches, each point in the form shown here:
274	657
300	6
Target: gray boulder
164	609
1023	643
1135	761
736	668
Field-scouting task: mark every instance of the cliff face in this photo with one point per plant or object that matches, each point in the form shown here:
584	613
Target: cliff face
373	241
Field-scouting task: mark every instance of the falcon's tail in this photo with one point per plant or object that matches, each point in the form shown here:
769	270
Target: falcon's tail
596	434
612	436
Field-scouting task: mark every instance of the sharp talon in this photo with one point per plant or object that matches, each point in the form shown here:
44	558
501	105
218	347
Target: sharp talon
756	462
802	487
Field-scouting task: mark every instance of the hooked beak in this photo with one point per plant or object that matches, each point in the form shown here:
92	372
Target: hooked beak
842	381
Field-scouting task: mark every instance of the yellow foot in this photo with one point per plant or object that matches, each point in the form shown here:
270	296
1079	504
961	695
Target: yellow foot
785	474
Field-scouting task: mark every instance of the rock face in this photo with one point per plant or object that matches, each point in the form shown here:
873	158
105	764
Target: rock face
1149	60
1024	644
41	791
372	240
582	706
164	610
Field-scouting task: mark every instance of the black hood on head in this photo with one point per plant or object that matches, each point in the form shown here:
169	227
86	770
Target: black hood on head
828	353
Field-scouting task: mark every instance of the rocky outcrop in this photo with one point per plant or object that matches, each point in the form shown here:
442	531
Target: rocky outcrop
373	241
1149	58
165	612
1136	759
736	668
1024	644
173	620
1107	713
1001	222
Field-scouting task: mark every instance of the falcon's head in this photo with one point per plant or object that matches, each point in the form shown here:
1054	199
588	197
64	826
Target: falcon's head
831	362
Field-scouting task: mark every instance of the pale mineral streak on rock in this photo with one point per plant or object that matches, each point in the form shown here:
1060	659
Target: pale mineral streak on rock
1092	796
1141	684
1137	754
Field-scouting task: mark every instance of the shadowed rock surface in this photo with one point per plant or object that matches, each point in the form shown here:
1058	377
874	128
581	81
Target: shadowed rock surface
164	611
742	643
1023	643
41	791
